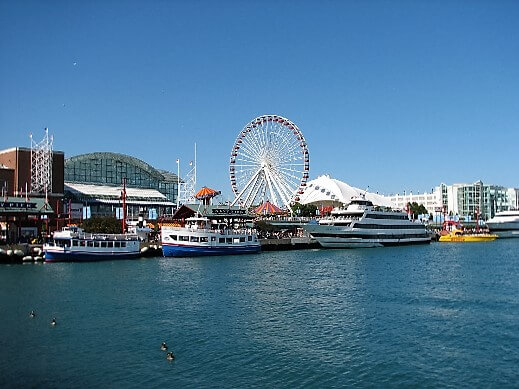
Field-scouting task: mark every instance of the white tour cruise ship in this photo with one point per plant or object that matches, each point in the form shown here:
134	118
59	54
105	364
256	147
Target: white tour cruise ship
363	225
505	224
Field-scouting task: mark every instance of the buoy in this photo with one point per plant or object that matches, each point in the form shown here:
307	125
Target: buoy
19	253
9	252
144	249
3	252
38	258
27	258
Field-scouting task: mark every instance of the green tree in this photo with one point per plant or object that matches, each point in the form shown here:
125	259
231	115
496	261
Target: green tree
306	210
102	225
416	209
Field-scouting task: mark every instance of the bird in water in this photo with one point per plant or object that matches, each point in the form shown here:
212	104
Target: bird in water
32	314
53	322
163	346
170	356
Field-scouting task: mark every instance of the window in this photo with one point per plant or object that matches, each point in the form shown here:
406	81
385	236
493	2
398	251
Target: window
221	240
249	238
117	244
96	244
183	238
82	243
123	244
174	237
213	238
236	240
90	244
194	239
74	243
242	239
229	240
110	244
103	244
203	239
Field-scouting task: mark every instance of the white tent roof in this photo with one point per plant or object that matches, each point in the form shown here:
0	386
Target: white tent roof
329	191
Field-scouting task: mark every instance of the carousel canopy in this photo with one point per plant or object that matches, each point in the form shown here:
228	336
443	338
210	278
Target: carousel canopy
325	190
206	193
268	208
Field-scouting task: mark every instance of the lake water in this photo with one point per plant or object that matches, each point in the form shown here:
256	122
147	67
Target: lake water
428	316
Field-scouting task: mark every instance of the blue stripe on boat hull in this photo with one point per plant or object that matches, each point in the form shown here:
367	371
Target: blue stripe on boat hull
87	257
191	251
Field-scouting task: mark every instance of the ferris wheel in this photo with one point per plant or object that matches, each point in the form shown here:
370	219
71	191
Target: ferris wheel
269	161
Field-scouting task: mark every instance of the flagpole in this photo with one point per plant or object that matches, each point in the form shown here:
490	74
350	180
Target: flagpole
178	183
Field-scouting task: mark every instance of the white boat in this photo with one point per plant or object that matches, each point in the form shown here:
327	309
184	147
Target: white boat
363	225
505	224
199	236
71	244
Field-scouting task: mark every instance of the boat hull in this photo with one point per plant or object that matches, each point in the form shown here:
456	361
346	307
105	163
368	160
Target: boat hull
468	238
81	256
351	243
174	250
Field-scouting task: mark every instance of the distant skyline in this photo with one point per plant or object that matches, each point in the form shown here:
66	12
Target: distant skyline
399	95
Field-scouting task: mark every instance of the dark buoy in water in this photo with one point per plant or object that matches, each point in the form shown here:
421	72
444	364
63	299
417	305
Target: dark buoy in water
163	346
170	356
32	314
53	322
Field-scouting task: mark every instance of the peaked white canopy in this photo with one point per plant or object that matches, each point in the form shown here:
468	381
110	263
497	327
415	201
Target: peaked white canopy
325	190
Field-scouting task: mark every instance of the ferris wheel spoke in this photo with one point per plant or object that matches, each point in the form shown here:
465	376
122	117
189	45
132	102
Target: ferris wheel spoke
246	186
281	192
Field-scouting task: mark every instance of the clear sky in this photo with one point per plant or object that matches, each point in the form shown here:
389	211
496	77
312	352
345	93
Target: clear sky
397	95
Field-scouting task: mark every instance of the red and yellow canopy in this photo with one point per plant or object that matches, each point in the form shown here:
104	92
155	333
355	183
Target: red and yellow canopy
206	193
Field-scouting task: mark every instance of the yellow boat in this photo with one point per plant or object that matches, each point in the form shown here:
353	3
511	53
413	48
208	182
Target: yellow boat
459	236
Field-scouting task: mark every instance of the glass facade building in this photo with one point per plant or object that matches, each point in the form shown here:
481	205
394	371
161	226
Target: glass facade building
110	169
95	181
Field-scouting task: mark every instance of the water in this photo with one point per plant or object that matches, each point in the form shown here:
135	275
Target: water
436	315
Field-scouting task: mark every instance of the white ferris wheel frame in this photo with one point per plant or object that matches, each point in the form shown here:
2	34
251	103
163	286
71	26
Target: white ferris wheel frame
269	160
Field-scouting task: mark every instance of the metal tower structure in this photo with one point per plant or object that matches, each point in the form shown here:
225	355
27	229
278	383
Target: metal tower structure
187	188
41	164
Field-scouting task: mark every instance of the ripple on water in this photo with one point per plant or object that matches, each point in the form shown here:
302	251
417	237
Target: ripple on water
428	316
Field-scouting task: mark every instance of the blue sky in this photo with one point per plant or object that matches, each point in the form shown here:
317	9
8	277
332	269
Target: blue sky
394	95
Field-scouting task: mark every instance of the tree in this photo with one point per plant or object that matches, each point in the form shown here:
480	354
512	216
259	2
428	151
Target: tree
102	225
306	210
416	209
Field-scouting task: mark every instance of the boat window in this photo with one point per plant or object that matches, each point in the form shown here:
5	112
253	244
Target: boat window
183	238
90	244
103	244
213	238
236	240
242	239
221	240
67	243
229	240
194	239
174	237
203	239
249	238
123	244
82	243
96	244
110	244
117	244
74	243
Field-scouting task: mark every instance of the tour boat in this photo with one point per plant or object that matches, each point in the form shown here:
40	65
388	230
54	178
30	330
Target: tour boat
199	236
505	224
458	235
71	244
362	224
